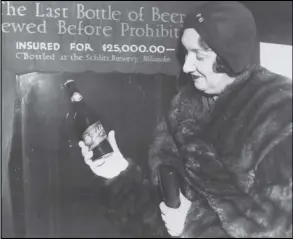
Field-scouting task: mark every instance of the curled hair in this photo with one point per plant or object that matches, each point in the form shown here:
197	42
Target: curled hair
220	66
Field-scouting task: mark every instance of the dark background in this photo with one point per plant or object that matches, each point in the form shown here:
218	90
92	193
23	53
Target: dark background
57	194
48	190
273	20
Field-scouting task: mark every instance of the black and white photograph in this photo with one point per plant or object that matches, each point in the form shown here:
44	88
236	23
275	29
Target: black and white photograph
146	119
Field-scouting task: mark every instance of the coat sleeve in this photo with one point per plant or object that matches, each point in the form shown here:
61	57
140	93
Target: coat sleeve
133	204
162	151
250	189
202	221
187	113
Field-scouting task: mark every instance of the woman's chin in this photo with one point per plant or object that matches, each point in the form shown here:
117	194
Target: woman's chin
204	89
199	87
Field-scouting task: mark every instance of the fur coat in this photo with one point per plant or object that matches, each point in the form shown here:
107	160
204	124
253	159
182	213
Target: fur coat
234	155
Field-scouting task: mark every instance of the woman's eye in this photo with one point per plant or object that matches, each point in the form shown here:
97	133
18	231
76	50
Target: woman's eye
198	57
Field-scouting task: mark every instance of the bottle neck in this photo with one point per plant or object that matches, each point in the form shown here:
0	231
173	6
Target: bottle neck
75	95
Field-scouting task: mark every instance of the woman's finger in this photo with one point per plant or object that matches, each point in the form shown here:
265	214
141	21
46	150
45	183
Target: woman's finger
163	208
81	144
86	152
112	141
88	161
98	162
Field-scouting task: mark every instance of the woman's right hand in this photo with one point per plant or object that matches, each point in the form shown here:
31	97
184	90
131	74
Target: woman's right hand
108	167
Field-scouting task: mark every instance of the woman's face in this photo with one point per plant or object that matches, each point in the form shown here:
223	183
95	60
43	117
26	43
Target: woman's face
199	61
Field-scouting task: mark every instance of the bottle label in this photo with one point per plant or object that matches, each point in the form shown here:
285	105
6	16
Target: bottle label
94	135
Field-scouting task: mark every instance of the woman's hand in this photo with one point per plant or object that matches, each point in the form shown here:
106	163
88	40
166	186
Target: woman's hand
108	167
175	218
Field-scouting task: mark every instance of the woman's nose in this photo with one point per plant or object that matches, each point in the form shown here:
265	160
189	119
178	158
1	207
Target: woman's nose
189	65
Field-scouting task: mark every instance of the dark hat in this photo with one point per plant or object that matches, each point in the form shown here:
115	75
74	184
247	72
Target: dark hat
229	29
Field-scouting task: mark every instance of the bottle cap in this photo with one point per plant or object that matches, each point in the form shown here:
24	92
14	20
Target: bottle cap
69	81
71	89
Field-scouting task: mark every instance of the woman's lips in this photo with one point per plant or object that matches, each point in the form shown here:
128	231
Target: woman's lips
195	77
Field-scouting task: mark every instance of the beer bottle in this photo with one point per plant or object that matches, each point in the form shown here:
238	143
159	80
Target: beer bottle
170	186
87	125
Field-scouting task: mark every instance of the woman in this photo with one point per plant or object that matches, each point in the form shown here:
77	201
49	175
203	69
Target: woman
228	133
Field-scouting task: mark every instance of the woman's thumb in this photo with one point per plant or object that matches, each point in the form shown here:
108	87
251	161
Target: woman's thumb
112	141
183	199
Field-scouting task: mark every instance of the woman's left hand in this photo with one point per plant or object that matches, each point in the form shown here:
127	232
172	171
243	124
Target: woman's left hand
174	218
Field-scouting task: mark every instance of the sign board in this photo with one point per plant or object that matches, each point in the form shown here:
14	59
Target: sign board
103	36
